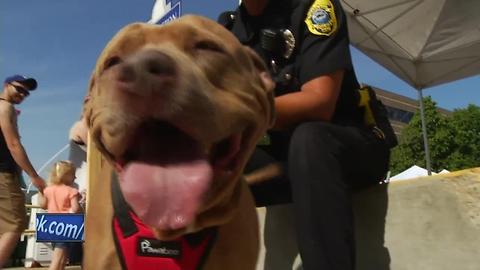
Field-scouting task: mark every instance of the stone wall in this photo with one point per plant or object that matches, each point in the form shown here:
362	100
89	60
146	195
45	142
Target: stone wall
428	223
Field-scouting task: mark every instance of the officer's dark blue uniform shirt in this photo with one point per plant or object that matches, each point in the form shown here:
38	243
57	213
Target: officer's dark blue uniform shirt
321	46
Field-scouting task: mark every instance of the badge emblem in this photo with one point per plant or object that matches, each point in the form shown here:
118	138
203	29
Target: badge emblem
321	19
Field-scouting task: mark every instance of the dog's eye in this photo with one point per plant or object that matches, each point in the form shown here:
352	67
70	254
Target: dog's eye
112	61
208	45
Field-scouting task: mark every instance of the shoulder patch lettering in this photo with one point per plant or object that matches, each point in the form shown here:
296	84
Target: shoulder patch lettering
321	19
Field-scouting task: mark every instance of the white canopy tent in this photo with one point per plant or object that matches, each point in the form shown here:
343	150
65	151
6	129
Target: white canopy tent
413	172
423	42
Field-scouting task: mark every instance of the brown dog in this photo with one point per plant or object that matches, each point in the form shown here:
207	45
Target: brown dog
176	110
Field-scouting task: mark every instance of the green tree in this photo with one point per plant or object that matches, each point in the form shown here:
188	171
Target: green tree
410	150
465	125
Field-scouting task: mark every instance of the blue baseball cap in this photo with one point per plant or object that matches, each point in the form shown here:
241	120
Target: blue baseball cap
29	83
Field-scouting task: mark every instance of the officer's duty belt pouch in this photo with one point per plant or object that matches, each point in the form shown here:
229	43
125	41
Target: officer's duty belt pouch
376	116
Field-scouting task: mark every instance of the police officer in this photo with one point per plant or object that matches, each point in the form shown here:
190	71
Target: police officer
320	135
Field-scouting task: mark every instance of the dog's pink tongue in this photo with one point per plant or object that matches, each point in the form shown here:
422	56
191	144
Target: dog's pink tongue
166	197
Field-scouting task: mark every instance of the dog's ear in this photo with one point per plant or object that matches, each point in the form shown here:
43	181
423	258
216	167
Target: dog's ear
86	101
267	82
262	68
79	130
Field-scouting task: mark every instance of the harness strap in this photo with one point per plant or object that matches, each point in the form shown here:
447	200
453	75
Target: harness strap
121	210
139	249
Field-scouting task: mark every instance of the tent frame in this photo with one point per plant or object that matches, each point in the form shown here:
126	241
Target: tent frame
424	131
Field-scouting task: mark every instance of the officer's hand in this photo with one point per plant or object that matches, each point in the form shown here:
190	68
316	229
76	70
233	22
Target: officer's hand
39	183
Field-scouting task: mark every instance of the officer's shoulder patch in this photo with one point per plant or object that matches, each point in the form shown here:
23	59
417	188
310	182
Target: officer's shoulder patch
321	19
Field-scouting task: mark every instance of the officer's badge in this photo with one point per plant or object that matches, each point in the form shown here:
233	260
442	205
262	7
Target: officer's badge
321	19
289	43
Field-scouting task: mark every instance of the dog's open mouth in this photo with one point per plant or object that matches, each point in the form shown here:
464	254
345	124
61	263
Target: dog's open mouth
165	173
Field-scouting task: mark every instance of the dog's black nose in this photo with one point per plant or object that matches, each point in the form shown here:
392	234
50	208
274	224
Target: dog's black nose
125	73
147	69
154	63
146	63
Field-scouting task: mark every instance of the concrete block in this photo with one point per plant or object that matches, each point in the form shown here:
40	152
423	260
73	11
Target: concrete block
428	223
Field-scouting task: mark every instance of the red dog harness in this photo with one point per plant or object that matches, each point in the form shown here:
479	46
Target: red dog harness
138	248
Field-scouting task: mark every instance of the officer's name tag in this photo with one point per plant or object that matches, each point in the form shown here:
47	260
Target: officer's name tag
59	227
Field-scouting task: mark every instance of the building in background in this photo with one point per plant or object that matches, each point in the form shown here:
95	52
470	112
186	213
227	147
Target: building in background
400	108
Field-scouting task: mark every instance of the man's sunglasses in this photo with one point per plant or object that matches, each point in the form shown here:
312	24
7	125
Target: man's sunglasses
21	90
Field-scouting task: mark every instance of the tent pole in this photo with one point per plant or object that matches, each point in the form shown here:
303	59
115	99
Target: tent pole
424	132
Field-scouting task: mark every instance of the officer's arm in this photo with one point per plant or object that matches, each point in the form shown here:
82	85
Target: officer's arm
12	139
316	101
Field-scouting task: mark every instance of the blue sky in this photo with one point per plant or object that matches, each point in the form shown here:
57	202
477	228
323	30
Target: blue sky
58	41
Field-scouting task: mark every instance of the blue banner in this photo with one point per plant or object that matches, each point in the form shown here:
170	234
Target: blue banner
59	227
172	14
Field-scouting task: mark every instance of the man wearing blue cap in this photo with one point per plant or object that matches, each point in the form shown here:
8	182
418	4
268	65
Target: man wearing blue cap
13	159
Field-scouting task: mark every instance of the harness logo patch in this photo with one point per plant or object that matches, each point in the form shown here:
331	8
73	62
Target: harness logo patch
149	247
321	19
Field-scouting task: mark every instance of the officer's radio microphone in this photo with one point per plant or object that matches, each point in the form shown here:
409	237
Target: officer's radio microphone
272	41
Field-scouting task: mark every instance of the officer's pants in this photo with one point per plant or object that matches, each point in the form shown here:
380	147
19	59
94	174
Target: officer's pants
325	162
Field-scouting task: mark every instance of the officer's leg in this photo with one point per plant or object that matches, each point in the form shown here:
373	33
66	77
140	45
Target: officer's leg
325	162
321	198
